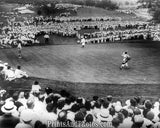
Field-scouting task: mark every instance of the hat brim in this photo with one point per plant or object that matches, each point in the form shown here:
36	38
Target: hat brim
8	111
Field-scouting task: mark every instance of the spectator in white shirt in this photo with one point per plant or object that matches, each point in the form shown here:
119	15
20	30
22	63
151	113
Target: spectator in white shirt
9	74
35	87
19	73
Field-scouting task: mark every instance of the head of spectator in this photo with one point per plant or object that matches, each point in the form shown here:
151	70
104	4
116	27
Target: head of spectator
50	107
64	93
133	102
109	98
95	98
124	112
137	121
79	100
89	118
84	111
148	104
30	103
68	101
37	124
79	117
15	96
150	115
19	67
115	122
62	116
26	116
60	104
8	108
21	95
88	105
112	111
49	99
120	116
26	95
138	99
75	108
48	90
97	105
137	111
105	104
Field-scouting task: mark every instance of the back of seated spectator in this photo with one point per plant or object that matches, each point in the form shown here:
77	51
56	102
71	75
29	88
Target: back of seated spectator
7	120
35	87
19	73
9	74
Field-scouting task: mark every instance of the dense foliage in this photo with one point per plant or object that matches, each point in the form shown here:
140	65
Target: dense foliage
154	8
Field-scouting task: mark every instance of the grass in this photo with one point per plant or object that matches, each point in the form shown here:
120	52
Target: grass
93	70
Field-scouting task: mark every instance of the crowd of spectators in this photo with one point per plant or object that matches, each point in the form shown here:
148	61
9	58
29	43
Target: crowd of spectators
10	73
37	108
107	29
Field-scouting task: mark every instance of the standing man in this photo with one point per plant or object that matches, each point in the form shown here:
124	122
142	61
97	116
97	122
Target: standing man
125	60
83	41
46	37
19	47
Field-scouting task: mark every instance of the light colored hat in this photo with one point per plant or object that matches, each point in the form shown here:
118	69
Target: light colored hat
5	64
138	119
26	115
128	103
156	104
8	107
118	108
103	115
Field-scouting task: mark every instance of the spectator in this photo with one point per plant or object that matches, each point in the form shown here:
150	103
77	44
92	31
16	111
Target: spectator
19	73
35	88
7	120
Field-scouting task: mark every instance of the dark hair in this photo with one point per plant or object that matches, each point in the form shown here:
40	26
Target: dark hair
115	122
49	107
64	93
15	96
112	111
18	67
105	104
133	102
79	101
124	112
79	116
68	101
89	118
48	90
62	118
60	104
95	98
36	82
75	108
9	67
37	124
109	98
88	105
26	95
48	99
97	104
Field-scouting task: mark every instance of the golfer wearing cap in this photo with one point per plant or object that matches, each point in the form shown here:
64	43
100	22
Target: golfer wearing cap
125	60
83	41
19	47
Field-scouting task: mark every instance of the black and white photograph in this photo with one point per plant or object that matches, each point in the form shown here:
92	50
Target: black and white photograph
79	63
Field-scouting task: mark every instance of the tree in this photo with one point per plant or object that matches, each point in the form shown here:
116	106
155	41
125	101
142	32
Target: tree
154	8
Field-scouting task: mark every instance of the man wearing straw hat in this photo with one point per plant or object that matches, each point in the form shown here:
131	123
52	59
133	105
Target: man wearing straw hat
7	120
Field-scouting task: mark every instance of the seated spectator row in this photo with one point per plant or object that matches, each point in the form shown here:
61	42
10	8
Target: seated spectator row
37	108
10	73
